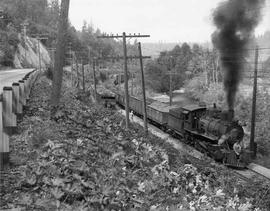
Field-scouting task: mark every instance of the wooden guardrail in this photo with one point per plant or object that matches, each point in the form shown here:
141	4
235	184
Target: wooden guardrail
12	100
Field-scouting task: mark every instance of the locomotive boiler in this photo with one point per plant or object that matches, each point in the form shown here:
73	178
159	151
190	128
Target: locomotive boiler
216	123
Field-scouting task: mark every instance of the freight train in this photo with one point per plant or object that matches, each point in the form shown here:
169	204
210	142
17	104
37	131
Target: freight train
210	130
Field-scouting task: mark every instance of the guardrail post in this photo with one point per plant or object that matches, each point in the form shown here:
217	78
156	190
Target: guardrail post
17	106
22	93
9	118
26	87
11	102
31	78
4	140
34	77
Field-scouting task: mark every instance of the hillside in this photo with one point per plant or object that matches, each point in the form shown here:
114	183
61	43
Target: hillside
28	55
25	55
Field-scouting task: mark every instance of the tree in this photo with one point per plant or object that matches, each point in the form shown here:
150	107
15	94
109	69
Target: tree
60	53
156	76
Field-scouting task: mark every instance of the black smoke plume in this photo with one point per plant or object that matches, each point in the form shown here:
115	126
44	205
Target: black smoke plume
235	21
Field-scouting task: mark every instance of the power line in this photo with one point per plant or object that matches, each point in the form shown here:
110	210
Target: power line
121	36
124	36
121	57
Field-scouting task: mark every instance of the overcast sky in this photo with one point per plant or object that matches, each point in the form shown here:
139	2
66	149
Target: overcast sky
164	20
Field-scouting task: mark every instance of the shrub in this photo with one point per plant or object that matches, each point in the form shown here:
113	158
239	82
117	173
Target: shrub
214	94
196	87
13	39
7	59
157	77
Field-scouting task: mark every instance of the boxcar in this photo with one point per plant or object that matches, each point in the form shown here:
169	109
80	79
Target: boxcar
176	120
158	114
136	105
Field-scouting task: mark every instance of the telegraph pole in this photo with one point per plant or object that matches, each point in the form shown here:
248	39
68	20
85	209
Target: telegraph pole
94	76
24	25
77	71
131	83
253	144
40	37
70	50
39	59
170	89
124	36
83	79
94	72
73	67
126	80
143	89
119	80
171	95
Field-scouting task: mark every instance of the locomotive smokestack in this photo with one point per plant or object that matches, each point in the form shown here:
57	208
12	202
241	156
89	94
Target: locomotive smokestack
235	21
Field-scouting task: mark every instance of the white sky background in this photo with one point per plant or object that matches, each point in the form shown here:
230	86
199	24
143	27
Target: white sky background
164	20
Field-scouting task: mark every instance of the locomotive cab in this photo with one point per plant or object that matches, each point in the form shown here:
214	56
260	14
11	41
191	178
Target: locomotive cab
185	118
192	115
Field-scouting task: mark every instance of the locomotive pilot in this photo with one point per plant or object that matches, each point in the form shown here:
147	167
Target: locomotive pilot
233	140
237	148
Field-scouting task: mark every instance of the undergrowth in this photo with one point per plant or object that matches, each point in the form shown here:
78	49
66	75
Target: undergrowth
82	158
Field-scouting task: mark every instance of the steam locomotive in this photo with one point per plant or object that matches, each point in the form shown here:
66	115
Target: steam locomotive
210	130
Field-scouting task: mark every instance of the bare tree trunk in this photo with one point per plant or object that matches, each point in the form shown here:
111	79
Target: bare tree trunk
78	75
83	79
60	53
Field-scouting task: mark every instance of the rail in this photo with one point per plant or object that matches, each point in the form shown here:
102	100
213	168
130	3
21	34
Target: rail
12	100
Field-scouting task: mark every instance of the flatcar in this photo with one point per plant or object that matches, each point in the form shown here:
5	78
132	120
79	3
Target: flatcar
210	130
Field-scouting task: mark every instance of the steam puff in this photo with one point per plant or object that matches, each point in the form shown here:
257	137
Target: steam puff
235	21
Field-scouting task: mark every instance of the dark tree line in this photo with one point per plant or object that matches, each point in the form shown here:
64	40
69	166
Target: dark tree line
185	62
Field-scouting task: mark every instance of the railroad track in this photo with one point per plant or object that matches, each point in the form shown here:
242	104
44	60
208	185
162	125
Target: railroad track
253	170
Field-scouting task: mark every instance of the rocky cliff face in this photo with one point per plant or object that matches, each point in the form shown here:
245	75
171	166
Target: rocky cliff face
27	54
